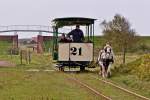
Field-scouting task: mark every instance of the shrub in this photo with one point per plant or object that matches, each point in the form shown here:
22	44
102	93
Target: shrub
139	67
143	70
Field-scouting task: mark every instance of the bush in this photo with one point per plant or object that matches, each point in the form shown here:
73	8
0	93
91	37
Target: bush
143	70
139	67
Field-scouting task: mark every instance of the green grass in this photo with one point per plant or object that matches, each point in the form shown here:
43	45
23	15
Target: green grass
99	41
145	39
18	84
131	82
37	60
104	88
126	76
4	47
47	44
143	43
22	85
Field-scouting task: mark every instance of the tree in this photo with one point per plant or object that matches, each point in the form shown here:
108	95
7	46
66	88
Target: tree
119	33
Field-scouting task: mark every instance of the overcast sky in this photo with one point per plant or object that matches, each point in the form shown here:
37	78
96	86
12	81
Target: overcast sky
41	12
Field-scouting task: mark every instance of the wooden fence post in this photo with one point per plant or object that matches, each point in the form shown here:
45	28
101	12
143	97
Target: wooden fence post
29	54
21	56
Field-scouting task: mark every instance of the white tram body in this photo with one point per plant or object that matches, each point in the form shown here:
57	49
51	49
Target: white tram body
75	52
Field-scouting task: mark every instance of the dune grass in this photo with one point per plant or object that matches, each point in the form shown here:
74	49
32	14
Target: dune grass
21	85
18	83
4	47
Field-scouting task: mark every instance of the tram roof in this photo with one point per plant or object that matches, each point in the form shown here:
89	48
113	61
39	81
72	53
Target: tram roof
69	21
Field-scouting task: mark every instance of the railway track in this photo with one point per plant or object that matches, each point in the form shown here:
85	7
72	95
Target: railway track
103	97
98	92
121	88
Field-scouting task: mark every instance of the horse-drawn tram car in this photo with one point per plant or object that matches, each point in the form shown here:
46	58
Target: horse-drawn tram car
73	53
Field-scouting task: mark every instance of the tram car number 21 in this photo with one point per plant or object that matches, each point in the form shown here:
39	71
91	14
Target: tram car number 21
75	51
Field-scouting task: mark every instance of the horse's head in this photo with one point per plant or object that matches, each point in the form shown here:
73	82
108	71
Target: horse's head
107	49
107	54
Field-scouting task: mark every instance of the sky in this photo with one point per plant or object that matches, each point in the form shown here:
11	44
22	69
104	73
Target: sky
41	12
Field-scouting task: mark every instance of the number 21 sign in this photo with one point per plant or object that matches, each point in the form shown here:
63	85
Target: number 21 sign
75	51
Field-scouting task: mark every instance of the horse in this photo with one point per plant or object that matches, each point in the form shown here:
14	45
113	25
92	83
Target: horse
104	60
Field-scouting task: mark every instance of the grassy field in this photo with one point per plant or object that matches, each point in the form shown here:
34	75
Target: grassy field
146	40
142	45
39	80
4	47
21	83
47	44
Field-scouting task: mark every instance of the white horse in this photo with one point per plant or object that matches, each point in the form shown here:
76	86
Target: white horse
105	58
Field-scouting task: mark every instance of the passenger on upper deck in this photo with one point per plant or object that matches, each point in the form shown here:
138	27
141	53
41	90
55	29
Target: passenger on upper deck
77	34
63	38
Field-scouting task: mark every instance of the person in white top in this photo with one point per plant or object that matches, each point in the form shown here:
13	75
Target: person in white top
100	61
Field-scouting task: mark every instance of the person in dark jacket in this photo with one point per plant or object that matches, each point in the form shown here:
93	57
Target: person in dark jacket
77	34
